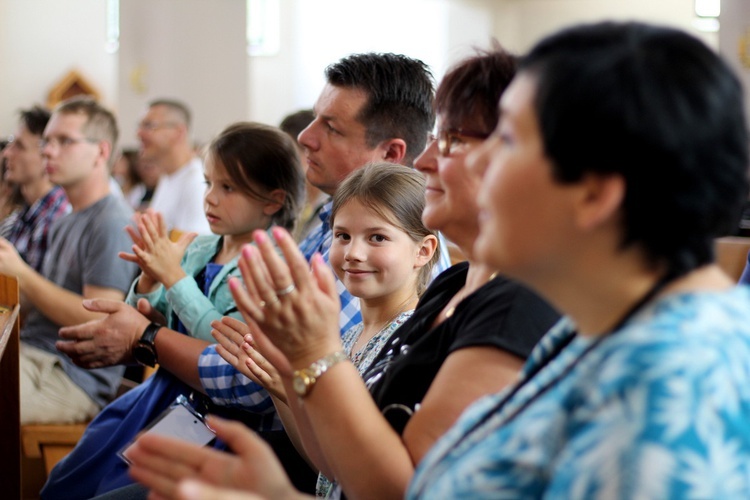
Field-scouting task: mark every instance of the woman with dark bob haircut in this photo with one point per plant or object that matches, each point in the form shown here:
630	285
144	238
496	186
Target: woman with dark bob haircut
620	155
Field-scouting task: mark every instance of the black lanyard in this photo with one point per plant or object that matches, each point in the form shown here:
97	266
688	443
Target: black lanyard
653	291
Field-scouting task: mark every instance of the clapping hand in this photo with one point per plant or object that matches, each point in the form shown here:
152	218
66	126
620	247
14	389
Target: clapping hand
158	257
235	345
296	311
161	463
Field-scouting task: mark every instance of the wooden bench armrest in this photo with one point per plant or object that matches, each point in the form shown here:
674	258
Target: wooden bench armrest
36	436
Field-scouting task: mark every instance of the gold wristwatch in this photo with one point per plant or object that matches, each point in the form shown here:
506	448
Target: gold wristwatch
305	379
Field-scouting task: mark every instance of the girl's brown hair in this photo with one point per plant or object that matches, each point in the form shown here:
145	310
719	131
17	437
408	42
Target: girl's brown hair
395	193
256	154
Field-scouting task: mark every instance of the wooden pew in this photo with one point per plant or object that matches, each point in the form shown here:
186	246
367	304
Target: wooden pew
10	404
731	255
51	442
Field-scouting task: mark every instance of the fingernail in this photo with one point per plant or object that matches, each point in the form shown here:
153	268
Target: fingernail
260	237
278	233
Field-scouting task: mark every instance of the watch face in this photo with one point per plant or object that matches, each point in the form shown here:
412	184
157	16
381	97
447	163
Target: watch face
144	355
302	383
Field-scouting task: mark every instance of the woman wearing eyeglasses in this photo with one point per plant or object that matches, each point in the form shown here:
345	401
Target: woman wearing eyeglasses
467	338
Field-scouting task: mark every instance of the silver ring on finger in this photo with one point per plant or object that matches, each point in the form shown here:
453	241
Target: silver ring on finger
286	290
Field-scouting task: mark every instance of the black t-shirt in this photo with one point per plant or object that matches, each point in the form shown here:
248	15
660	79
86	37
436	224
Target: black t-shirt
501	313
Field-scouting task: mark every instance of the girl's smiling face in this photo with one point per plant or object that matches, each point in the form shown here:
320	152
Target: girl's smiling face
371	256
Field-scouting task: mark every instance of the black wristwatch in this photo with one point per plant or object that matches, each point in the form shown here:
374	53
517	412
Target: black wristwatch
145	350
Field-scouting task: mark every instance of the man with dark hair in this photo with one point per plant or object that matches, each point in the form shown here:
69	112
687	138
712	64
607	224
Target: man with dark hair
44	202
399	92
164	133
375	107
81	263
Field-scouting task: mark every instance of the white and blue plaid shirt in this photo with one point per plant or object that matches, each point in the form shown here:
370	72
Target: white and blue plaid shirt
227	387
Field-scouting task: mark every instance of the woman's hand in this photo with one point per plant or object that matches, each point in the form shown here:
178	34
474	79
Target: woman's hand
160	463
235	345
158	257
296	311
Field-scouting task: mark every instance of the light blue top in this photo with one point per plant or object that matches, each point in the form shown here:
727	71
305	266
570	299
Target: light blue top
187	300
658	409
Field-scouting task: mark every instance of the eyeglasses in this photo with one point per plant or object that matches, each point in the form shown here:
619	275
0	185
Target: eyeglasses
449	138
151	126
63	141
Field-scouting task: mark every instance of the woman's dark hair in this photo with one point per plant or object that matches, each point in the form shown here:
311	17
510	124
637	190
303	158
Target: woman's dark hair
659	108
259	155
395	193
468	94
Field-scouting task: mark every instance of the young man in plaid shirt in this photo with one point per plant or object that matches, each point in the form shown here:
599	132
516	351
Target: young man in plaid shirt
44	202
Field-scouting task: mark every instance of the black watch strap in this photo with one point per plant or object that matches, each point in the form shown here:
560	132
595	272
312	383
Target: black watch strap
145	350
149	334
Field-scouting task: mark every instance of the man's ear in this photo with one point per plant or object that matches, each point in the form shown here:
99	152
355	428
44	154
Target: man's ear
394	150
278	196
600	199
426	250
105	152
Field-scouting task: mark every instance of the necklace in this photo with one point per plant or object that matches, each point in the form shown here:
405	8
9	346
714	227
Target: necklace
452	309
509	394
356	355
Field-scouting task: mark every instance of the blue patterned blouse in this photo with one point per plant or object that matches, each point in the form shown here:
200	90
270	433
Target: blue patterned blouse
658	409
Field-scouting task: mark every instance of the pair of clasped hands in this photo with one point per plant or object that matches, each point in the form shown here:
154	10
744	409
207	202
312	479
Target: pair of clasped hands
283	331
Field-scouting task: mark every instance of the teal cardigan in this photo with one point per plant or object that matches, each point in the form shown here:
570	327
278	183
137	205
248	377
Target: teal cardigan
186	299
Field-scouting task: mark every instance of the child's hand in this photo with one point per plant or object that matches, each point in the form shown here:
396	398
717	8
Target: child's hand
262	371
157	256
235	345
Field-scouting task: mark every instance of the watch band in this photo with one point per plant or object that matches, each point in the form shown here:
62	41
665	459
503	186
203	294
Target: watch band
305	379
149	334
145	350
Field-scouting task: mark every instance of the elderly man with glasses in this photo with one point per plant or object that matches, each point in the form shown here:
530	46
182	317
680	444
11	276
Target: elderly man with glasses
164	133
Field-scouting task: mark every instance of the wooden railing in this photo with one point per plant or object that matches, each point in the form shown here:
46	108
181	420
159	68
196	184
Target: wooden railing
10	404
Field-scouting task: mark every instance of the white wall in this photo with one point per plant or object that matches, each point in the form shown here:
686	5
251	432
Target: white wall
735	32
520	23
191	50
40	42
195	49
317	33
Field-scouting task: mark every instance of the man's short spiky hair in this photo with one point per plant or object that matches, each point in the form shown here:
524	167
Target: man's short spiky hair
177	107
101	124
399	97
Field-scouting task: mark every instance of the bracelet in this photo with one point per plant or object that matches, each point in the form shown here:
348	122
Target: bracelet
304	380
